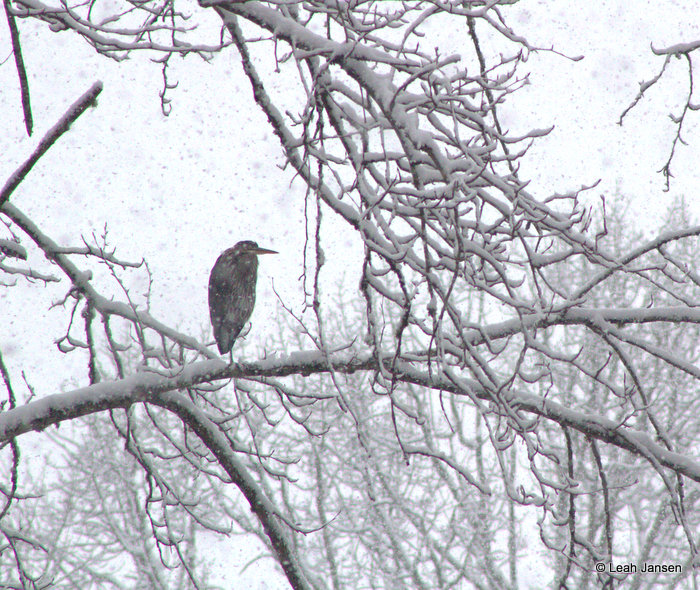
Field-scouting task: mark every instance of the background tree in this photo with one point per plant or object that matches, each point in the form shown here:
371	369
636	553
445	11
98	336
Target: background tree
514	361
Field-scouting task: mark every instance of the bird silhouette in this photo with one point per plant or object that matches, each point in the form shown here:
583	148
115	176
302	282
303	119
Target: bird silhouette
232	291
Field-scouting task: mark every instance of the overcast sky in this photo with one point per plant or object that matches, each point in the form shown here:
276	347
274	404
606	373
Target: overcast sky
179	190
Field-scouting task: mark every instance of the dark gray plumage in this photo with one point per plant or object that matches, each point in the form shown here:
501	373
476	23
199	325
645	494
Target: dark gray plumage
232	291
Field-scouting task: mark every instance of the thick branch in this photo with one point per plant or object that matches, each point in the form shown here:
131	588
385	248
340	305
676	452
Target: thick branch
147	387
266	511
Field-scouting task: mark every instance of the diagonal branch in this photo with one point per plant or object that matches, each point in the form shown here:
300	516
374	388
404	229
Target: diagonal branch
69	117
21	71
266	512
82	282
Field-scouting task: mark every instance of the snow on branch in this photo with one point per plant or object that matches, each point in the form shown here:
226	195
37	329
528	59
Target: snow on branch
149	387
88	99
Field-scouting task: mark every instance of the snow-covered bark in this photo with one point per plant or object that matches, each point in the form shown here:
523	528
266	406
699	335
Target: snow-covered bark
510	363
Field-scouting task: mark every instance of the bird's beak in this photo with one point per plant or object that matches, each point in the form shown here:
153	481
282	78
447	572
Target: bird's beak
264	251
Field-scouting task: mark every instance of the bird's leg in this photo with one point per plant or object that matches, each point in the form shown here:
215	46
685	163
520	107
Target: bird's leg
230	352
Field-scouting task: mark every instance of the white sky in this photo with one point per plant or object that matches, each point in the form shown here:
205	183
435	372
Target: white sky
179	190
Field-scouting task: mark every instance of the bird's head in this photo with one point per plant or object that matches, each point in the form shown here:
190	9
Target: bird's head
250	247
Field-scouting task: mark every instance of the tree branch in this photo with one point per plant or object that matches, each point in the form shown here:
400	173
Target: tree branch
62	125
21	71
147	387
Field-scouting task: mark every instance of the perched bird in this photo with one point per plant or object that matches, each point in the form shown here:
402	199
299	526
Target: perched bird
232	291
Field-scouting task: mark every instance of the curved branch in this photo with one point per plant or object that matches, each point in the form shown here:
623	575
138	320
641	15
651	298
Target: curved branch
148	387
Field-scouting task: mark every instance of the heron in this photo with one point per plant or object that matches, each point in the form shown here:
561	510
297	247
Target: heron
232	291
